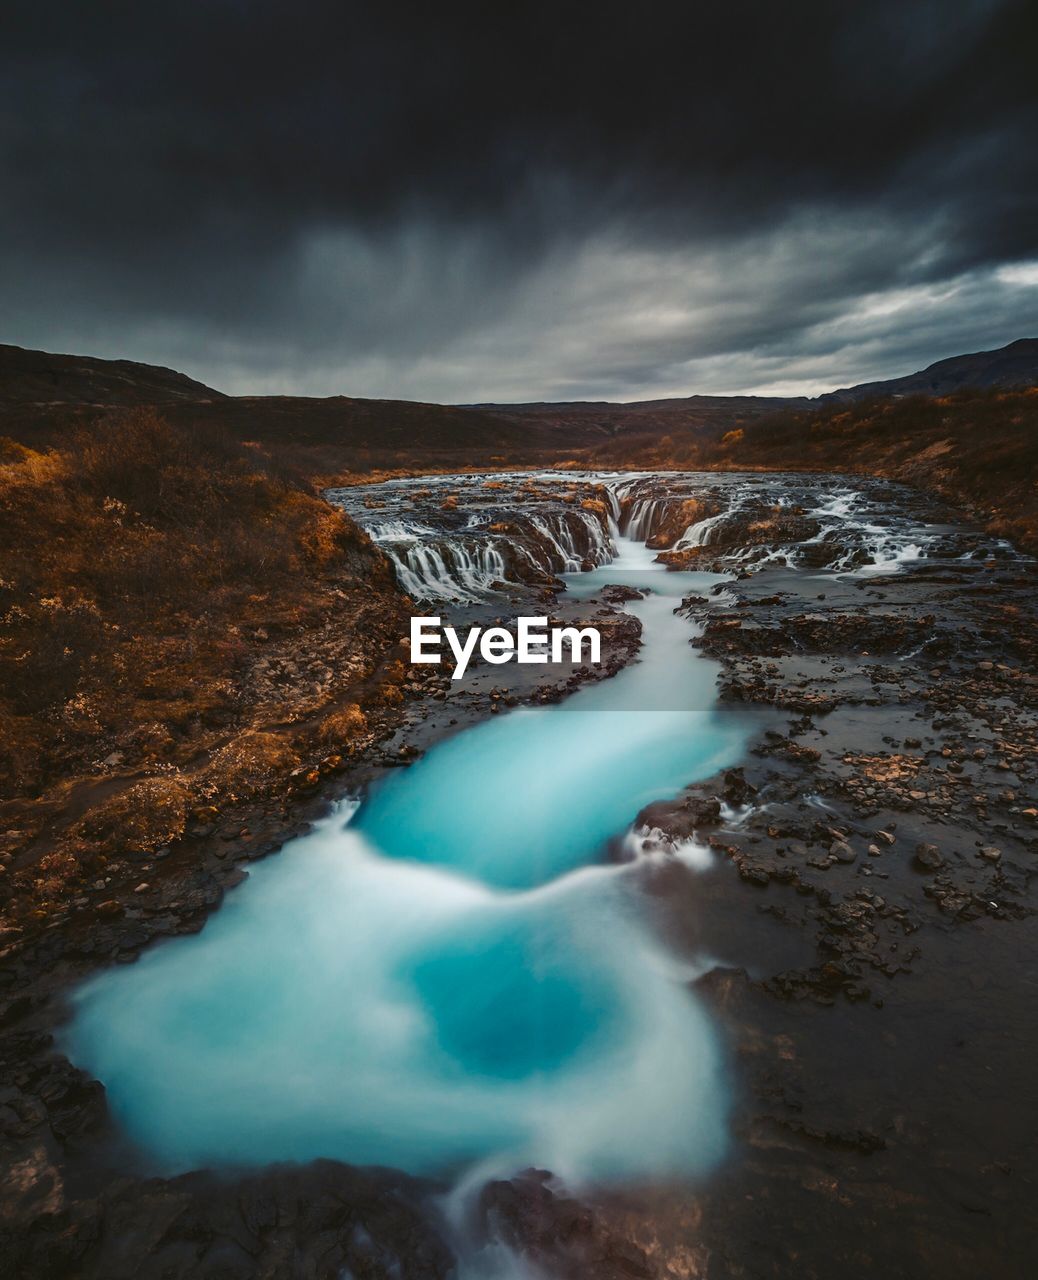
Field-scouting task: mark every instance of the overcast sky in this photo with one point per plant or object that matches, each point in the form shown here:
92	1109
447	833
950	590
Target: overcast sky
465	202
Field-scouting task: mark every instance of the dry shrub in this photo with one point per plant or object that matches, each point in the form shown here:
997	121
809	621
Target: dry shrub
342	725
57	871
20	465
146	816
248	765
326	536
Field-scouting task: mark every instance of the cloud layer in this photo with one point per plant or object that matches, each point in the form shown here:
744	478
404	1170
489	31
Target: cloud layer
457	202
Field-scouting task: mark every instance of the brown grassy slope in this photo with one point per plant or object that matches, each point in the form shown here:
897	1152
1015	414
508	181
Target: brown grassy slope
178	612
976	449
329	435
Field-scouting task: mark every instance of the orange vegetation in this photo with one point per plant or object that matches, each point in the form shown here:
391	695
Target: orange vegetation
183	618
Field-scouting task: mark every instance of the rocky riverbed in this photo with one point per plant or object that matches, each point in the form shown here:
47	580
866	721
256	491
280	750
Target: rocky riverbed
862	882
885	820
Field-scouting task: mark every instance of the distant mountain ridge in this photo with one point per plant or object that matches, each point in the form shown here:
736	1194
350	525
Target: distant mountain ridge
42	378
1010	367
707	404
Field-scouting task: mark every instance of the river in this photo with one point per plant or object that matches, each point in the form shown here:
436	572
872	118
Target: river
451	975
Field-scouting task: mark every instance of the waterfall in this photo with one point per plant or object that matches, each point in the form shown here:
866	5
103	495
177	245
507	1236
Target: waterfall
603	548
461	569
642	519
613	502
398	530
559	540
464	565
643	516
459	549
700	533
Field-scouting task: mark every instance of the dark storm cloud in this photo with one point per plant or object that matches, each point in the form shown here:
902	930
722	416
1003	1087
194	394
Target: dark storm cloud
465	201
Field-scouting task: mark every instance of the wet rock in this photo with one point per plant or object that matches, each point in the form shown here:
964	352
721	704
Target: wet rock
680	819
557	1234
816	555
927	858
735	789
617	593
318	1220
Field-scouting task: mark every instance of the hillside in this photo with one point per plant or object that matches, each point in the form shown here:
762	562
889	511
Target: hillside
188	627
340	431
40	377
1008	368
586	424
44	396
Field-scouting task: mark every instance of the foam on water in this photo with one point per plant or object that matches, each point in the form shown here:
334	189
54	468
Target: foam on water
349	1005
443	983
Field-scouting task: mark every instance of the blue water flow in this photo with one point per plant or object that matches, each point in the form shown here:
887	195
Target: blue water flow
452	975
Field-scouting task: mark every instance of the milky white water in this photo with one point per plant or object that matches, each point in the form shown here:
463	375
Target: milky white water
452	976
